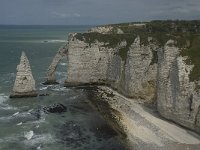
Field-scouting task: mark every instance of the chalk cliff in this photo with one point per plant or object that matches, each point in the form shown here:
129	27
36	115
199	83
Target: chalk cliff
153	63
178	98
24	85
134	76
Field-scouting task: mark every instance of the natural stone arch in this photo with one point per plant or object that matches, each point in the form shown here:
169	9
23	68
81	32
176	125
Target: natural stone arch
60	55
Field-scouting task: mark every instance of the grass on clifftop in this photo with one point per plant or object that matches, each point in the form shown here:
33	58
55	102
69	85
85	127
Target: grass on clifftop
112	40
165	26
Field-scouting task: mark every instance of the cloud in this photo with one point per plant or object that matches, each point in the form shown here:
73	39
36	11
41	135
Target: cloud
95	11
65	15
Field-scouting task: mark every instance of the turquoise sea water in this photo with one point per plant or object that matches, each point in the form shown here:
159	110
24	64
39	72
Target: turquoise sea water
26	124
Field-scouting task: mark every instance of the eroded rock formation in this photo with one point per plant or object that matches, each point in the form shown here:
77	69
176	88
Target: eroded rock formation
61	54
24	85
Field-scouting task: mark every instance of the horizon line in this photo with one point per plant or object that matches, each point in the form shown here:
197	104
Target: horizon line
100	23
48	25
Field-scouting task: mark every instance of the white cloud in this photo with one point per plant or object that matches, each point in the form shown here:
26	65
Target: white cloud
65	15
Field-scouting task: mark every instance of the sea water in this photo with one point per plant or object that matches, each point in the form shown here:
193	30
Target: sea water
35	123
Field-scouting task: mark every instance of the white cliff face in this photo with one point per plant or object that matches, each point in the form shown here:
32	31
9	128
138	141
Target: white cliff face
106	30
140	72
102	29
24	85
86	63
149	73
95	63
177	97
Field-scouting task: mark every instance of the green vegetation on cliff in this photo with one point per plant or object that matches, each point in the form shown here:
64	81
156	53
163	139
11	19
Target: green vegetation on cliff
158	26
112	40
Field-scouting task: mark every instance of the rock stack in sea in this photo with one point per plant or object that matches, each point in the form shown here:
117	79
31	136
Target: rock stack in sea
24	85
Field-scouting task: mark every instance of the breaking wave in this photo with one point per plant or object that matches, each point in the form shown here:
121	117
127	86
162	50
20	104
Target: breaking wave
3	98
63	64
38	139
29	135
3	105
43	88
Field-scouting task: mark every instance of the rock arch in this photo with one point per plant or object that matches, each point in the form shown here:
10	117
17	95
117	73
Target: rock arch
61	54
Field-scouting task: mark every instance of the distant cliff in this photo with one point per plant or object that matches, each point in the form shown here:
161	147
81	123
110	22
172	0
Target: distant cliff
155	62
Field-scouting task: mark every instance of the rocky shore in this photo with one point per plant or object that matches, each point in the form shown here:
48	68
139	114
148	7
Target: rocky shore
140	127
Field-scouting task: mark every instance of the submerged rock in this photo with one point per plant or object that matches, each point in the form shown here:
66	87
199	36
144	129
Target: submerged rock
71	134
24	84
44	94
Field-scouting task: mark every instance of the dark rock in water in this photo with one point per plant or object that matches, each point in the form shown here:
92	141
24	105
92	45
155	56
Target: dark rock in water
102	131
50	82
36	113
56	108
71	134
46	94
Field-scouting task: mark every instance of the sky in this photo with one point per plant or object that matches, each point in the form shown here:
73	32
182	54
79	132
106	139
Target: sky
94	12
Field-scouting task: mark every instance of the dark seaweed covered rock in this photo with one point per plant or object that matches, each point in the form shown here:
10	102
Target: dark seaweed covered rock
44	94
55	108
71	134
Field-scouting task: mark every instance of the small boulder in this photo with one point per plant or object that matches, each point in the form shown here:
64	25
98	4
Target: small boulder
56	108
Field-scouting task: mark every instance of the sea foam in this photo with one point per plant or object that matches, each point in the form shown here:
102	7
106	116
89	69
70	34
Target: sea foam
38	139
3	98
29	135
63	64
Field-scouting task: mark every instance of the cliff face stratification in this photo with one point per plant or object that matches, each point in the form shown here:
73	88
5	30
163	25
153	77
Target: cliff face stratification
24	85
155	62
